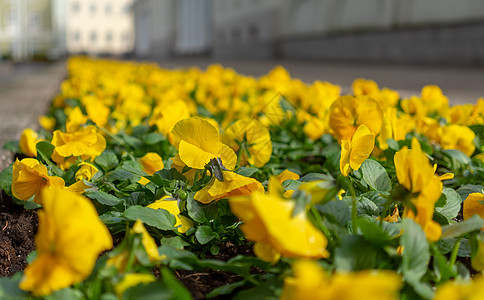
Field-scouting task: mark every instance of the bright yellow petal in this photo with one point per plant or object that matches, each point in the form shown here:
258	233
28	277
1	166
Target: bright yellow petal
362	145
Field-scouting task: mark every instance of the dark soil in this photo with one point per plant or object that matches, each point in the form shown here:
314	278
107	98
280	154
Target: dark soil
17	232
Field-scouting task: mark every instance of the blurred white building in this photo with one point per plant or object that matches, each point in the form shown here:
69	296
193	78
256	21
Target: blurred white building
98	27
172	27
31	29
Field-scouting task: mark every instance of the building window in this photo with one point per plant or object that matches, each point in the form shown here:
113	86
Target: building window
92	8
93	36
76	36
34	20
127	9
125	37
76	7
11	18
109	37
108	9
253	31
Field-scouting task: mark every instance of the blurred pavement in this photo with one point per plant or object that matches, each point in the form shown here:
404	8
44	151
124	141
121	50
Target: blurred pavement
25	94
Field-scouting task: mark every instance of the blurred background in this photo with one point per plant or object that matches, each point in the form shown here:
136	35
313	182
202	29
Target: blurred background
445	32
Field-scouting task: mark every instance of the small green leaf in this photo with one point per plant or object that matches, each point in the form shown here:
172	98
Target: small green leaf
179	290
153	138
246	171
67	293
354	253
461	228
175	241
204	234
291	184
365	206
9	289
337	211
452	206
225	289
467	189
13	146
158	218
44	150
103	198
6	180
416	255
457	155
153	290
375	175
107	160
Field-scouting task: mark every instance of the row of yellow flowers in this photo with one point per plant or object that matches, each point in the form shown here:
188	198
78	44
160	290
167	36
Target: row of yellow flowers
218	121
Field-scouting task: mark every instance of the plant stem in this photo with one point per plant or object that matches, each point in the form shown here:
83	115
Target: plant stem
453	255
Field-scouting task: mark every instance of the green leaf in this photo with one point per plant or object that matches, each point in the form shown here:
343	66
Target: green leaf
467	189
204	234
13	146
372	231
107	160
44	150
453	205
291	184
461	228
119	174
153	290
103	198
337	211
9	289
175	241
6	180
153	138
178	289
375	175
225	289
246	171
195	210
365	206
416	254
457	156
67	293
158	218
354	253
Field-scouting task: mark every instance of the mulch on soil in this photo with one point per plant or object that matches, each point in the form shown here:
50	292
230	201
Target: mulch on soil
17	231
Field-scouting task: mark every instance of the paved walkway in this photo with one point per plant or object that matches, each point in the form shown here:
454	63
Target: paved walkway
25	93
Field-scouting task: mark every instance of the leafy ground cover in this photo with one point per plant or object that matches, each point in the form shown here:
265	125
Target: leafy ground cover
179	184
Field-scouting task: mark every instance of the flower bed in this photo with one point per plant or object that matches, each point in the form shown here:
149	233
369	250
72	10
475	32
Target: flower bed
186	183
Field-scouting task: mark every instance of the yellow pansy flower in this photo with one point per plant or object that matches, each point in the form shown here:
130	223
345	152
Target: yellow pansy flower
167	114
85	143
348	112
461	290
434	99
310	281
68	242
97	111
29	177
171	205
75	118
285	175
415	174
28	142
151	163
269	221
131	280
86	171
257	138
120	260
48	123
472	206
197	142
233	185
458	137
355	151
